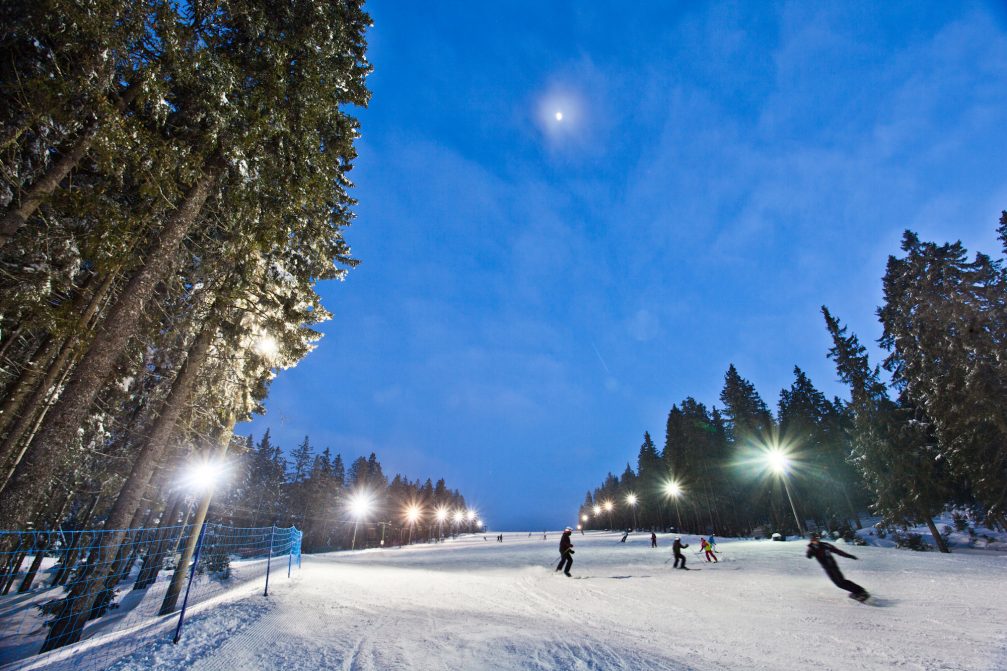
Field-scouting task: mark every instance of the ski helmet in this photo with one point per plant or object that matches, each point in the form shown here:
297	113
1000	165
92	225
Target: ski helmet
568	529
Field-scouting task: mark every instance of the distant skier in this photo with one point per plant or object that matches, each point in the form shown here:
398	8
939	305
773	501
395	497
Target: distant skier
625	535
713	543
653	539
704	546
677	548
823	553
565	552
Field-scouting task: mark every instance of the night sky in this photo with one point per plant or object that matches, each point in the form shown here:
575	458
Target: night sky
534	293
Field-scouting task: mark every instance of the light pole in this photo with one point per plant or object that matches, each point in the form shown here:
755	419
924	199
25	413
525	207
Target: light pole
470	517
631	500
779	462
608	505
360	505
441	515
583	519
673	490
412	516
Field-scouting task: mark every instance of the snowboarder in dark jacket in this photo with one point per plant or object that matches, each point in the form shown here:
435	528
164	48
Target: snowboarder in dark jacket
653	539
823	553
677	547
565	552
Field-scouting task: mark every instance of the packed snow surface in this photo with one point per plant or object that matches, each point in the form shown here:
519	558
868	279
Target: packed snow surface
480	604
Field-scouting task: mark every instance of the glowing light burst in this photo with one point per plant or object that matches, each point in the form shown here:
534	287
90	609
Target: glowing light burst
441	514
459	517
672	489
560	114
779	462
583	518
470	515
203	475
608	505
597	510
631	499
413	513
360	504
267	346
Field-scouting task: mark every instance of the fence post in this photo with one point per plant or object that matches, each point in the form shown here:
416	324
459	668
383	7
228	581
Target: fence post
269	558
192	572
290	553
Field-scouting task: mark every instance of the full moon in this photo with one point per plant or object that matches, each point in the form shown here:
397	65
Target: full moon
559	116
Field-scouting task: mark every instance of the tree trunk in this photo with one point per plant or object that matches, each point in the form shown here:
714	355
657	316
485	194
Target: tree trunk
17	215
36	406
44	544
13	564
9	340
154	558
77	607
32	369
59	432
849	503
28	425
73	550
938	539
178	578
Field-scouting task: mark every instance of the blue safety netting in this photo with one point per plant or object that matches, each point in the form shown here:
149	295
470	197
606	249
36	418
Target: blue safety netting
84	599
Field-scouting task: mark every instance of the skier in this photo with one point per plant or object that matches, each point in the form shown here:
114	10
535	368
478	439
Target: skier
653	539
565	552
704	546
713	543
624	536
823	553
677	548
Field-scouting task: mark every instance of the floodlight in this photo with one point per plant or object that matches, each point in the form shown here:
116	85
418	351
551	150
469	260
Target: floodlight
203	475
778	460
360	504
267	346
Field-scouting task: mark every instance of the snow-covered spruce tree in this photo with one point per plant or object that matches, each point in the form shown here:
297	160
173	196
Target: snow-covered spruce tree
275	112
945	328
650	494
750	429
812	425
69	72
695	455
893	447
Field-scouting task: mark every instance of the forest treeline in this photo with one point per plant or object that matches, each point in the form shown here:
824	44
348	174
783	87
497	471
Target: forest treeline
931	435
175	181
314	492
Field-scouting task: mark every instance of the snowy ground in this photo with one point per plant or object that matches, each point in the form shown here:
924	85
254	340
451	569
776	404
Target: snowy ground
475	604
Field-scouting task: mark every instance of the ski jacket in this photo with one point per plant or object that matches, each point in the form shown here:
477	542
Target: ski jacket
565	544
823	553
704	546
678	545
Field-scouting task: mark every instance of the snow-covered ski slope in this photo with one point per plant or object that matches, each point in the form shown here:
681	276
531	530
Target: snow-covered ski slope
475	604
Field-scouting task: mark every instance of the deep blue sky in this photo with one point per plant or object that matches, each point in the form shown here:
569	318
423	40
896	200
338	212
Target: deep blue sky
534	295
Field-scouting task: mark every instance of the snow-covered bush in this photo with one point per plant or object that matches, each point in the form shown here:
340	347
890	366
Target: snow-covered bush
911	541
